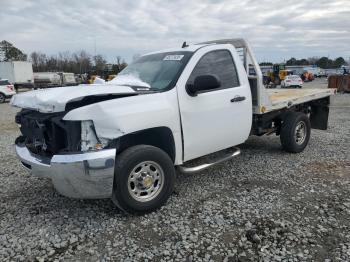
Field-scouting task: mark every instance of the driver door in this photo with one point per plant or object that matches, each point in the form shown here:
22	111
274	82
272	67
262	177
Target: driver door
215	119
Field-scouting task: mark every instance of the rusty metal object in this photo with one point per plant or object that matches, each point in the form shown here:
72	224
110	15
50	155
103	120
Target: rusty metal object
339	82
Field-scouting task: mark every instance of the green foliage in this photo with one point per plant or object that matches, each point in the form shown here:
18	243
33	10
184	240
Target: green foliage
10	52
304	62
323	62
294	61
339	62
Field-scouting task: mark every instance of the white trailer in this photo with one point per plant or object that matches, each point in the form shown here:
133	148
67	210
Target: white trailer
53	79
68	79
47	79
18	73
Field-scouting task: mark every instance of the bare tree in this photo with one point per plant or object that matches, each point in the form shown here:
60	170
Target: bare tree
83	62
79	62
120	64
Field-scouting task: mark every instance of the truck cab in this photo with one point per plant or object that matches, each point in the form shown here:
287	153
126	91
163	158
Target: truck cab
126	138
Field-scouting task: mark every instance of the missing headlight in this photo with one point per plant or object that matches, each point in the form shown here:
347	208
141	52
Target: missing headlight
89	139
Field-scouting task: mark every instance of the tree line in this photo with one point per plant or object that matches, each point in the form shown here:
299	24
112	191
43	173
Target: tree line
82	62
78	62
323	62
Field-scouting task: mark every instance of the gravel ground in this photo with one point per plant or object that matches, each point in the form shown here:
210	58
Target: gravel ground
265	205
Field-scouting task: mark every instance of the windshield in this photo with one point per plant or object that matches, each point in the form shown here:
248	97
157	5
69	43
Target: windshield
4	82
155	72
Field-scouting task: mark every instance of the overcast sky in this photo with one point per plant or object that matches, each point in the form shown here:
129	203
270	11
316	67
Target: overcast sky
276	29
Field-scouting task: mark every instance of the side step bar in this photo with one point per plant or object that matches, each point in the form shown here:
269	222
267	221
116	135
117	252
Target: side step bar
195	169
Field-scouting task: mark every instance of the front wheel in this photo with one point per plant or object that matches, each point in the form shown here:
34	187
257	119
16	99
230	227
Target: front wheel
295	132
2	98
144	179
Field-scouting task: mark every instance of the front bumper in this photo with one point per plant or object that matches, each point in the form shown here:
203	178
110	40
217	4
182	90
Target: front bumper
10	94
82	175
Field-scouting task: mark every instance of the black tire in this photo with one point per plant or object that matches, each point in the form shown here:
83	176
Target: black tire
126	163
290	138
2	98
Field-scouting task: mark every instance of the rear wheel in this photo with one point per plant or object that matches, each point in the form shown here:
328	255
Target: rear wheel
143	180
2	98
295	132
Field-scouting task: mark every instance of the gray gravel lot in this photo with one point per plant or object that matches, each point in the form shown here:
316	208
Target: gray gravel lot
265	205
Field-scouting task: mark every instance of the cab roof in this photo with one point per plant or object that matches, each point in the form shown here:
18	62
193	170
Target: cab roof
190	48
236	42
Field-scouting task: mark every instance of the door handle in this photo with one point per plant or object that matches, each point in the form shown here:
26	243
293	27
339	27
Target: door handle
238	99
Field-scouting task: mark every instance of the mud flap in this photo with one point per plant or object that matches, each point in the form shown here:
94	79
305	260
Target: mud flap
319	116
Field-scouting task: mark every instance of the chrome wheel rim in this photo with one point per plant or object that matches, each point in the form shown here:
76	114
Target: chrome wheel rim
300	133
145	181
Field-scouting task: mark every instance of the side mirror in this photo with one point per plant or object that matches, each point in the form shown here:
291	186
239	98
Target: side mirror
203	83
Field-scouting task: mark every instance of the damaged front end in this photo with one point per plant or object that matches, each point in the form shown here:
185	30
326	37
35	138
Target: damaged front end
46	134
80	164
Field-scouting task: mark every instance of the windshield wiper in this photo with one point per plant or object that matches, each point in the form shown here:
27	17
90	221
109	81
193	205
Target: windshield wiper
138	87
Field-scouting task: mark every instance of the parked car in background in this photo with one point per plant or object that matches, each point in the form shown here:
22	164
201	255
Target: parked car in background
7	90
19	73
292	81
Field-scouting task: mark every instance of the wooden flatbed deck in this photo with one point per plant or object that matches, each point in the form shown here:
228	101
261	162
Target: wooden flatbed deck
281	98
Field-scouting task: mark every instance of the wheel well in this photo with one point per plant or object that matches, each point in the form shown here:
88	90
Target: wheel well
161	137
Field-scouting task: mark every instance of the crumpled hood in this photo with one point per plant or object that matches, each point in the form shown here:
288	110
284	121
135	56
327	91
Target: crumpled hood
55	99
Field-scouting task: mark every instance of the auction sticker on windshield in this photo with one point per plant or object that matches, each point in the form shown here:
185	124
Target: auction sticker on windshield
173	57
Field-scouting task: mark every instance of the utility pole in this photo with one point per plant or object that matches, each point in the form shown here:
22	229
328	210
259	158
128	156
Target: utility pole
95	47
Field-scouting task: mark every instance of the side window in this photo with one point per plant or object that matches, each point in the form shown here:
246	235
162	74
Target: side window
219	63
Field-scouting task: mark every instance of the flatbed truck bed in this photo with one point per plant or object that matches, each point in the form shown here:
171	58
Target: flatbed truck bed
285	98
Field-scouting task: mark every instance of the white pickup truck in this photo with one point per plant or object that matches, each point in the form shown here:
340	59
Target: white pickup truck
6	90
124	140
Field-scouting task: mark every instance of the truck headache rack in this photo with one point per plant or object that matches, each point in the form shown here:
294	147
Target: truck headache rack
255	76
